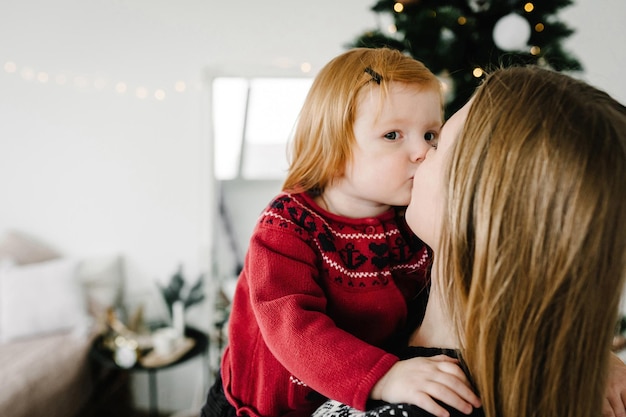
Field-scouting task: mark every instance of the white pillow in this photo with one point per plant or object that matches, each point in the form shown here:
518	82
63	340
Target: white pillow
23	249
40	298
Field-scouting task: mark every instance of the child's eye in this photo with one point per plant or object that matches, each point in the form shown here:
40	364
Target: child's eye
431	138
392	135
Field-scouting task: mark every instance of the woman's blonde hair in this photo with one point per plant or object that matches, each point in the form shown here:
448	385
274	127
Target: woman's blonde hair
535	241
322	141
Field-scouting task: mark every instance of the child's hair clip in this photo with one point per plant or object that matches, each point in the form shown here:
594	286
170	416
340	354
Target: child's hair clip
375	76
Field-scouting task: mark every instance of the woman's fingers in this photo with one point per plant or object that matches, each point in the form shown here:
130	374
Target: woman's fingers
614	404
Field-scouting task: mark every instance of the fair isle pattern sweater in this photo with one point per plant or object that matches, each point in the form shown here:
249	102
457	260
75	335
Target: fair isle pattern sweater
318	298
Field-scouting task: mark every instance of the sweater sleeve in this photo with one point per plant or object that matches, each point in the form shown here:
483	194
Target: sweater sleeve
290	306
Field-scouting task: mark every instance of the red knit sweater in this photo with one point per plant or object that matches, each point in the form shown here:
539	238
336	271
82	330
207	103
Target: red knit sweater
318	297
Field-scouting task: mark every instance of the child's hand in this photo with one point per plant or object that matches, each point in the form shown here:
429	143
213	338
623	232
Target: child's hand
420	381
615	400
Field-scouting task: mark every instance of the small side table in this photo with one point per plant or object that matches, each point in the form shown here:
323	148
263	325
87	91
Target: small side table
104	357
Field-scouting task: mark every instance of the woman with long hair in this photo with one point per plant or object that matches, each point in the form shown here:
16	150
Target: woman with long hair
524	204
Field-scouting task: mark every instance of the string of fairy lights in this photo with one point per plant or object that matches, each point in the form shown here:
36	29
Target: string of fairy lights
97	83
79	82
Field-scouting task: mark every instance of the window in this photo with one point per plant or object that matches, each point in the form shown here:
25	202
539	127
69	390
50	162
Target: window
253	119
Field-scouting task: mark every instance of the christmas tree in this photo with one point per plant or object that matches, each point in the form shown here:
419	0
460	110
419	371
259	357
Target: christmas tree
461	39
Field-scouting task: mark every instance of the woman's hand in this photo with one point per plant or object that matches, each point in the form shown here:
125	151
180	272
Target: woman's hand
615	400
421	380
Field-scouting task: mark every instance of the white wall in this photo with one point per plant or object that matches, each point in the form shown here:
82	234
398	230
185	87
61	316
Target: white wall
94	171
91	170
598	42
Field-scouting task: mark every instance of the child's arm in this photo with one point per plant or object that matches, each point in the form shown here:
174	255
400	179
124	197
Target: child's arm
291	310
421	380
615	401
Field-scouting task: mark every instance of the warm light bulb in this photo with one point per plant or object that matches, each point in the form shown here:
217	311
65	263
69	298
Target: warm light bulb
398	7
159	95
27	74
535	50
529	7
462	20
141	92
305	67
99	84
539	27
10	67
121	87
42	77
180	86
478	72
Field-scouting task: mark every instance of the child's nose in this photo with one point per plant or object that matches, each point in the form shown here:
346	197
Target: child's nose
419	149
